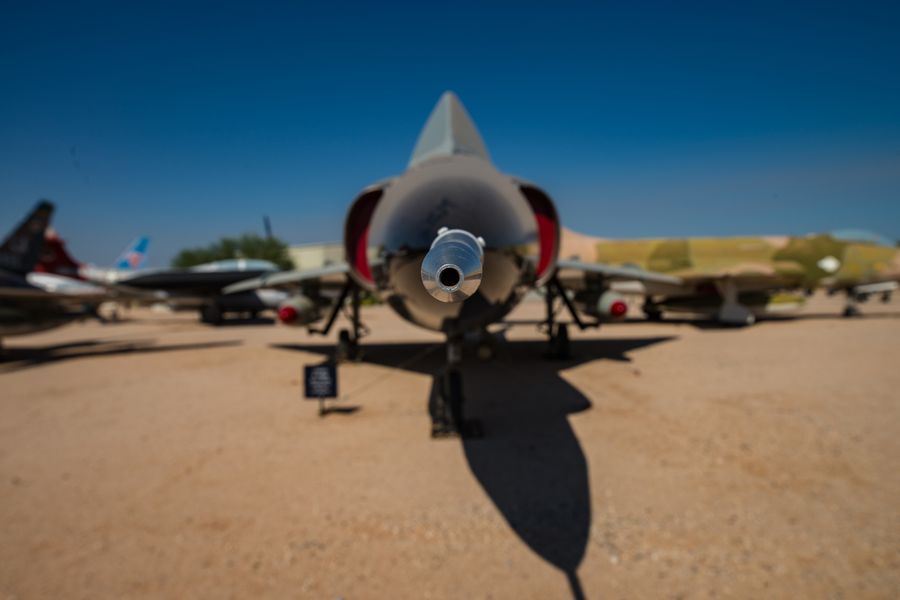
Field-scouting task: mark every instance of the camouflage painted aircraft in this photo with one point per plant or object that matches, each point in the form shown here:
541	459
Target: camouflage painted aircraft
737	279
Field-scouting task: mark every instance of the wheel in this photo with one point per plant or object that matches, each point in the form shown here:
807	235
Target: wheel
652	312
211	314
562	334
485	348
851	311
347	347
559	341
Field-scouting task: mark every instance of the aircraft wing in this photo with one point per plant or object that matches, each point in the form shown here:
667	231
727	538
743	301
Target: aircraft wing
25	293
333	274
27	296
616	273
876	288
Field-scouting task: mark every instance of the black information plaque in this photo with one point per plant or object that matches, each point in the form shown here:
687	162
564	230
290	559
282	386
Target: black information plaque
320	381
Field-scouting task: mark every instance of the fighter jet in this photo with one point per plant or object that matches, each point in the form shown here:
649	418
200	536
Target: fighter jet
737	279
29	308
451	245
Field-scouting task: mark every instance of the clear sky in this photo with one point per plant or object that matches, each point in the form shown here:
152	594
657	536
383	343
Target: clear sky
189	121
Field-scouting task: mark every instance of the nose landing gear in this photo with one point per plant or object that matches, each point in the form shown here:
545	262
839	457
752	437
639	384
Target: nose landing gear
445	404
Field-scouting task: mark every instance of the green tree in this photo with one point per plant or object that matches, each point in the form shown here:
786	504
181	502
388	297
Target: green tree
248	245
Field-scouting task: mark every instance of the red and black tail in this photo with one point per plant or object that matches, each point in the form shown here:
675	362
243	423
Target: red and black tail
55	258
21	250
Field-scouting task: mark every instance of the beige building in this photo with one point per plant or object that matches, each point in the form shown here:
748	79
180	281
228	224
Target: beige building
313	256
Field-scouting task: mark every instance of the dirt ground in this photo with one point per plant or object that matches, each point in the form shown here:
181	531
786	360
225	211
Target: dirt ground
160	457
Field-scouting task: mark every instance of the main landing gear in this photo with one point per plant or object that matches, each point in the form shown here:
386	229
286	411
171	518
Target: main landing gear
446	402
348	339
851	308
347	348
652	311
558	347
211	314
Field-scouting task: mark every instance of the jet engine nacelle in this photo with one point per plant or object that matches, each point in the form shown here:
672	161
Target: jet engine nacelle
298	310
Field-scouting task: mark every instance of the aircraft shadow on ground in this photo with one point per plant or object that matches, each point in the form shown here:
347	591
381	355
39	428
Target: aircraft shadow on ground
18	358
696	322
529	461
239	321
712	324
837	316
229	322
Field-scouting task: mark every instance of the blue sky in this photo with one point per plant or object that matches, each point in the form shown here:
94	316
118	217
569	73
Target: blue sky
189	121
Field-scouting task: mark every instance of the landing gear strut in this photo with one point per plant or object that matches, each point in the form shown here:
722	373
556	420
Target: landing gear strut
851	309
446	402
348	339
558	347
652	311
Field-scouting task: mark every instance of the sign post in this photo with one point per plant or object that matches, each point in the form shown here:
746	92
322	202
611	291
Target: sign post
320	382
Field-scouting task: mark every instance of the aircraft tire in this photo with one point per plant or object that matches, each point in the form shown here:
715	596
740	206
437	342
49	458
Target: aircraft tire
851	311
211	314
347	347
652	313
559	342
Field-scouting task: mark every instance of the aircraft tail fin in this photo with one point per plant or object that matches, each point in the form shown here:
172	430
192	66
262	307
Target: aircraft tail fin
134	256
55	257
22	248
449	130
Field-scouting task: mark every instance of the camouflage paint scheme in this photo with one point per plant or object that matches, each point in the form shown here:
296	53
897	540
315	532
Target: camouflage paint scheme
765	270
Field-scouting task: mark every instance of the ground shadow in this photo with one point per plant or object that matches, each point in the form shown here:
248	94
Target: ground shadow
338	410
709	323
863	316
700	322
239	321
529	461
18	358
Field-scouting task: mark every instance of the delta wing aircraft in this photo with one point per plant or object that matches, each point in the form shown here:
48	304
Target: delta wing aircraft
451	245
737	279
26	307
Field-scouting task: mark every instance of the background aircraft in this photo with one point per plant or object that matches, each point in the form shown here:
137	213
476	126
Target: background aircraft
196	287
201	287
737	279
56	259
26	307
452	245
